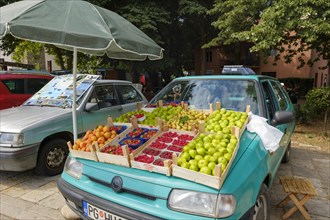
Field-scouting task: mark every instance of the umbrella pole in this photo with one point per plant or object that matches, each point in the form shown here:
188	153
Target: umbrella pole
74	107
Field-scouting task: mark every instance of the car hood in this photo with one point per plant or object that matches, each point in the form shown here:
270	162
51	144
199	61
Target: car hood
19	118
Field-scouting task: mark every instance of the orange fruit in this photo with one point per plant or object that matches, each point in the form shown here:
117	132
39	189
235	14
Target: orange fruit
107	135
98	134
106	128
75	147
100	140
113	132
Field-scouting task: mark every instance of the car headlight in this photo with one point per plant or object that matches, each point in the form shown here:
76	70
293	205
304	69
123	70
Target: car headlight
204	204
11	139
73	167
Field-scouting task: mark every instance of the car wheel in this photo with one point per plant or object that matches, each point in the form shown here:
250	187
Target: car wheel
52	156
261	207
287	154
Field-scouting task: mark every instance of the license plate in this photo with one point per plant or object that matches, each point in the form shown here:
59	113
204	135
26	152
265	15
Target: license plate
99	214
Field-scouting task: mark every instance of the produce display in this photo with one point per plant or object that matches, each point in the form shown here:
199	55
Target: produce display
163	148
206	151
102	134
125	117
223	120
187	119
114	149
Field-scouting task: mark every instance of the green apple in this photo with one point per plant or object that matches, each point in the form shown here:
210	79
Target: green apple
199	144
214	159
202	163
193	167
205	170
233	140
222	160
217	154
201	151
215	142
181	160
231	145
192	153
226	130
227	156
211	151
185	165
223	144
208	145
198	157
207	139
211	165
185	155
230	150
207	157
223	151
193	162
186	148
219	136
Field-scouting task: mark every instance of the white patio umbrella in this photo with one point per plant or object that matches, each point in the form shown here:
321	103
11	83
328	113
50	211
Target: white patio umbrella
77	25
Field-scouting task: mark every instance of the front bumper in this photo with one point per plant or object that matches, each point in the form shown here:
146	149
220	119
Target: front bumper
18	159
74	198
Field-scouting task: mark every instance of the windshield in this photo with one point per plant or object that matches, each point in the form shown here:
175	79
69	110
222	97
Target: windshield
233	94
58	92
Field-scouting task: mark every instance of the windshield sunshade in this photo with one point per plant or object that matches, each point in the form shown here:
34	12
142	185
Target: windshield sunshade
58	92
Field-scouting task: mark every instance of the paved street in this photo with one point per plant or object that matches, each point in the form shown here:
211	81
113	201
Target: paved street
26	196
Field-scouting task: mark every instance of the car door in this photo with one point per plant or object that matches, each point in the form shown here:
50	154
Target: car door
108	104
272	103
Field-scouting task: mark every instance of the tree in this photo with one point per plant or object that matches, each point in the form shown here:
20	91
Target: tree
317	103
294	26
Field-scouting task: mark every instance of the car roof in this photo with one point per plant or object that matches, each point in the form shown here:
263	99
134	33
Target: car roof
24	75
246	77
103	81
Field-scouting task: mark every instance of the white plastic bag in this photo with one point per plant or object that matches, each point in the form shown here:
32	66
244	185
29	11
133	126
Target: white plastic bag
269	135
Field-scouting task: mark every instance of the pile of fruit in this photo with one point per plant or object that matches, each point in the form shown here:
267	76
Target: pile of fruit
187	119
206	151
125	118
163	147
223	120
114	149
102	134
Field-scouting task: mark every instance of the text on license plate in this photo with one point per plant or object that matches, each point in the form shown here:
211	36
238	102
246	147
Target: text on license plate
99	214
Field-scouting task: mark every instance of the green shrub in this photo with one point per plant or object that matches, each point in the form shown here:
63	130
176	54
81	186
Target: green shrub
317	103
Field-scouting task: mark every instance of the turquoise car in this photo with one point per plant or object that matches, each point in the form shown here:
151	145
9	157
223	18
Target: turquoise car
97	190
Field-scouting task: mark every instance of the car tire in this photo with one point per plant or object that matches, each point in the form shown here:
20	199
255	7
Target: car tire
287	155
261	208
51	157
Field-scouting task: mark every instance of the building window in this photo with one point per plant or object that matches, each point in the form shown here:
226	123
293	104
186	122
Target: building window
208	56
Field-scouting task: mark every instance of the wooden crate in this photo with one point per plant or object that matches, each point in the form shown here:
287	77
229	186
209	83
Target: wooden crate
166	169
83	154
121	160
215	181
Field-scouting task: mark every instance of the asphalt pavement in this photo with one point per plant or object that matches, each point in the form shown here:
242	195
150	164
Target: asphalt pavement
23	195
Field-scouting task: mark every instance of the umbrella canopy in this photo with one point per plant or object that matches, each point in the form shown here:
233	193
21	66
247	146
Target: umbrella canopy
78	26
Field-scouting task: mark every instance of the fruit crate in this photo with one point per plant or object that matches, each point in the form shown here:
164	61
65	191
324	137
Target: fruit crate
164	151
122	160
214	181
83	154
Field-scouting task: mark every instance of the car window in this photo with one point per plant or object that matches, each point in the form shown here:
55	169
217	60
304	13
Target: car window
15	86
269	99
280	96
34	85
105	96
233	94
128	94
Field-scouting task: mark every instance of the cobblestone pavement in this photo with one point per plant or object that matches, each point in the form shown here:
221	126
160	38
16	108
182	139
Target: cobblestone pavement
27	196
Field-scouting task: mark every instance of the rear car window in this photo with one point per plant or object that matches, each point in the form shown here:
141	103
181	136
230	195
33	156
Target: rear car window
128	94
25	86
15	86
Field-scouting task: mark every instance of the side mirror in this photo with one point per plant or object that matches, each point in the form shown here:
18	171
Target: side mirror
90	107
283	117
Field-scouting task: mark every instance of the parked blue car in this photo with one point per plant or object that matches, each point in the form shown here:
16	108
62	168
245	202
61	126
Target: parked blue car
97	190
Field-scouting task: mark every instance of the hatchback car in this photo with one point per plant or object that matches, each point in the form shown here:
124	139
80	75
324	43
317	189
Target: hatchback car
36	133
96	190
15	88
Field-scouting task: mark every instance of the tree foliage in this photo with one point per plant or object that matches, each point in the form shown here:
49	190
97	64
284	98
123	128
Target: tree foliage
317	103
293	26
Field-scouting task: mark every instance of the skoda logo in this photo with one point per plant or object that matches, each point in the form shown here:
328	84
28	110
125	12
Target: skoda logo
117	184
